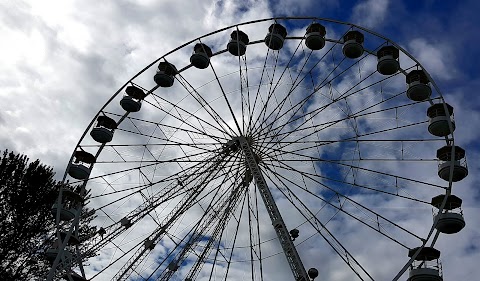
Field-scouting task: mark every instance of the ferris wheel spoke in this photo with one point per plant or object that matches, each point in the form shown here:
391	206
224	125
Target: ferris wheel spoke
169	128
328	142
217	241
271	90
205	105
308	116
192	115
235	236
251	108
114	260
208	225
168	142
359	113
223	215
160	157
252	243
366	215
185	203
370	159
177	177
294	109
245	86
189	134
334	243
313	177
202	226
328	124
177	189
309	144
279	104
357	138
182	159
202	147
295	84
320	160
401	157
121	174
226	101
255	236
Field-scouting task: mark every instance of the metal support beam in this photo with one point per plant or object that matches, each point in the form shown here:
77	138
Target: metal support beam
296	265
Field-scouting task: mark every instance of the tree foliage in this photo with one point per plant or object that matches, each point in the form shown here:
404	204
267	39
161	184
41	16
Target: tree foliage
27	227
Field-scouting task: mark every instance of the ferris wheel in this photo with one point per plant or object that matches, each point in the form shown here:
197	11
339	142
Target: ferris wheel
275	149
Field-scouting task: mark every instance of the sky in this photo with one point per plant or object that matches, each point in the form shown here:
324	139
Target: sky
60	61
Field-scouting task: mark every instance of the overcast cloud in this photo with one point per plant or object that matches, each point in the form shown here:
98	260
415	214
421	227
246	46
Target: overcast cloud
60	61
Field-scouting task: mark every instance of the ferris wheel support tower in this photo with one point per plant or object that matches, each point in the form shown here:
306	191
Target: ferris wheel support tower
296	265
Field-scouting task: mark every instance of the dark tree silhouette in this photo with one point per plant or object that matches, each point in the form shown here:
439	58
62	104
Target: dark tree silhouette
27	227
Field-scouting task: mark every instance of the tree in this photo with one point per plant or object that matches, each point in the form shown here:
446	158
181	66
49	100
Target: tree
27	227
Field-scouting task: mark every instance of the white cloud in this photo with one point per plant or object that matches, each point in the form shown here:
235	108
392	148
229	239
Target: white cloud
370	13
438	58
292	7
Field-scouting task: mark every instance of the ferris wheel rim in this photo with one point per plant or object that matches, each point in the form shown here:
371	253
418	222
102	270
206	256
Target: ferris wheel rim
198	39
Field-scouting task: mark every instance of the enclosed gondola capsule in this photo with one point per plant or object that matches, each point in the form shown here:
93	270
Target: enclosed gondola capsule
102	231
70	200
460	170
173	266
294	233
201	56
451	219
237	45
315	36
80	168
313	273
132	100
438	119
276	36
149	244
387	58
103	130
165	74
126	222
426	266
353	44
52	253
72	240
418	88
